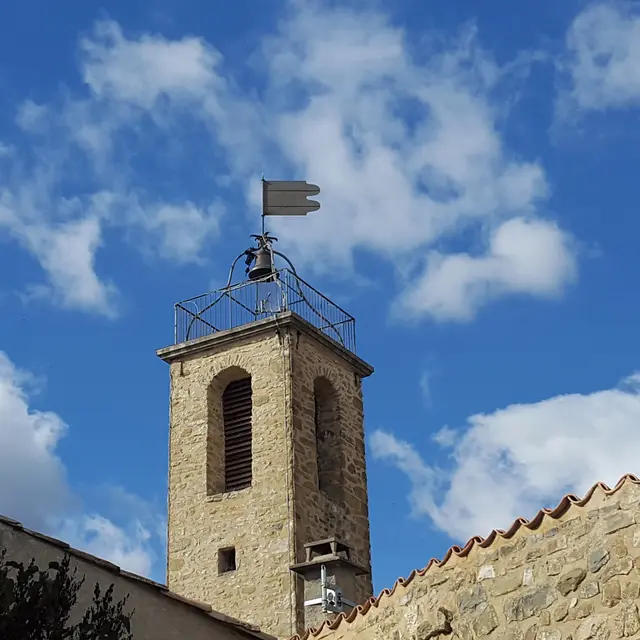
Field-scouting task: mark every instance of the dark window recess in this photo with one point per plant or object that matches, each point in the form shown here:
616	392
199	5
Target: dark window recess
328	442
236	414
226	560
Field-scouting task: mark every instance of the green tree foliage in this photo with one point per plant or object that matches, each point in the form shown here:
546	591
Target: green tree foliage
36	605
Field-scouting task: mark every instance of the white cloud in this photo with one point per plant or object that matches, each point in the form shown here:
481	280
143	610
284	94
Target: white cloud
523	256
97	535
177	232
152	75
61	191
514	461
407	150
425	385
142	71
31	116
66	252
62	234
65	235
34	487
404	142
405	145
603	58
445	437
32	477
65	248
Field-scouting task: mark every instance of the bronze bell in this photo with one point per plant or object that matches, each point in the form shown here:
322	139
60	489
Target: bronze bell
263	265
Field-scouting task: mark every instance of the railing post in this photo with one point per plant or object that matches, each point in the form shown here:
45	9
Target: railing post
175	324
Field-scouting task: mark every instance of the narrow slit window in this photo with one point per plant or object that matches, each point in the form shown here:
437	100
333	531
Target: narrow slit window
236	414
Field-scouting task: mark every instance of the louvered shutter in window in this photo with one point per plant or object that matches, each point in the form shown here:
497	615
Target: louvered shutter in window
236	411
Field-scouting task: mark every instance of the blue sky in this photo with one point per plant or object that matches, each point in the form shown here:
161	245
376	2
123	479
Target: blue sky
478	166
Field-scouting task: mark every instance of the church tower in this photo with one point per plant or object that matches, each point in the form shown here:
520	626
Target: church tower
268	508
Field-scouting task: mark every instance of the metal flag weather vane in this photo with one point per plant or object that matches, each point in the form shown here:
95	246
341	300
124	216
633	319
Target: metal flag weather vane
288	198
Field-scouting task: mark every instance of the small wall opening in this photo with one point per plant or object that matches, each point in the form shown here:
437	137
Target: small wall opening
229	441
328	439
226	560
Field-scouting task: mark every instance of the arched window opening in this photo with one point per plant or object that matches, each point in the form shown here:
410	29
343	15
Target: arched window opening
328	439
229	454
236	417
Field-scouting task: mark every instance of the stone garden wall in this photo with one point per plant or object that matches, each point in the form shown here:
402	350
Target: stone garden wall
573	573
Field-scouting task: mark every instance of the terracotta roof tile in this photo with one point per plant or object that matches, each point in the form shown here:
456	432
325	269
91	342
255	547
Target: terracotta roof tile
477	541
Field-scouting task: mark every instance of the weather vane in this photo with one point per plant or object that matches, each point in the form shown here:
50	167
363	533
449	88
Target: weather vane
279	198
288	198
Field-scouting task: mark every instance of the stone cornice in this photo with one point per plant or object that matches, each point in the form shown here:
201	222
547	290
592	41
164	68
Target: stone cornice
289	319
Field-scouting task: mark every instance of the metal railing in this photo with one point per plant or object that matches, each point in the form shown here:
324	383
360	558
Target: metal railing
253	300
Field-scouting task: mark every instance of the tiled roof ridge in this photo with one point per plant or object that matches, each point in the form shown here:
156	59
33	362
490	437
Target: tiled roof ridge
562	507
161	588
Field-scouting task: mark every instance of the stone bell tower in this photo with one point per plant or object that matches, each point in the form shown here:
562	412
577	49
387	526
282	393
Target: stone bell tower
268	509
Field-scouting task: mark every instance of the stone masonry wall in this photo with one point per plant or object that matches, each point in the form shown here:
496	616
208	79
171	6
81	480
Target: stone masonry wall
575	577
318	515
256	521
